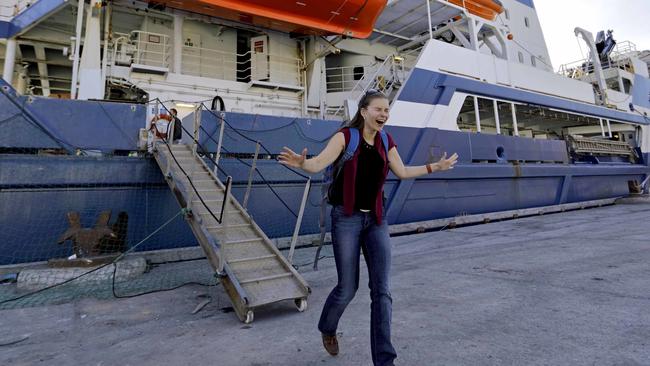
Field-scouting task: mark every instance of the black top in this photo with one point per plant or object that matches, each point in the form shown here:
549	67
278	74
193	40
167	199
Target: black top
370	167
178	129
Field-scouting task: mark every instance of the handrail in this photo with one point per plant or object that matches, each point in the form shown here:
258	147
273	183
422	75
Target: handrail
195	190
198	127
209	62
618	58
134	48
366	83
225	123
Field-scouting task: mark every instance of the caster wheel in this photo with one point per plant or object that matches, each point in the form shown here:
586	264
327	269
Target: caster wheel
249	317
301	304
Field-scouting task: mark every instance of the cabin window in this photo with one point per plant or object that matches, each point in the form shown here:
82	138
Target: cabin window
507	14
612	83
358	72
532	60
488	118
467	116
537	122
521	57
526	22
506	120
627	85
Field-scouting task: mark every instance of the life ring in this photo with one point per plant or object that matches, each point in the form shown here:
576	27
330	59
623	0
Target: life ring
160	125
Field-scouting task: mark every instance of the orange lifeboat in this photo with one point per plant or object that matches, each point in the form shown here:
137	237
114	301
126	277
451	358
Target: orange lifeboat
352	18
486	9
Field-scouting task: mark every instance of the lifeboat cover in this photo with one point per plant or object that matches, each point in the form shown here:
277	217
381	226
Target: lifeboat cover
352	18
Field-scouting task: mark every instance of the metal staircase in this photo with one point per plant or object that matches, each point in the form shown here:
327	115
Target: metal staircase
387	78
253	271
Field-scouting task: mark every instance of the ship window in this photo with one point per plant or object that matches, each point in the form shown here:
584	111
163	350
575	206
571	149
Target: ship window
488	119
536	122
358	72
612	83
484	122
532	60
627	85
467	117
521	57
507	14
506	124
526	22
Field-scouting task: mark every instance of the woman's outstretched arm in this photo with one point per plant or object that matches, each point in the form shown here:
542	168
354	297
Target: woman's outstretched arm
314	165
406	172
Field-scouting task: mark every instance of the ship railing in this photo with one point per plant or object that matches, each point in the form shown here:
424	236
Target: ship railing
151	49
624	49
592	146
345	78
387	77
141	48
619	58
216	157
9	9
206	62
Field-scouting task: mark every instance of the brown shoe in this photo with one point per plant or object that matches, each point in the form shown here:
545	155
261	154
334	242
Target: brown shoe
331	344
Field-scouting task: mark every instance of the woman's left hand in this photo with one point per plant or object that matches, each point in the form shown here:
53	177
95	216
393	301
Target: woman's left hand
447	163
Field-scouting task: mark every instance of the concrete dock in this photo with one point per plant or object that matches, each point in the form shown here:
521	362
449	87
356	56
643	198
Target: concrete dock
570	288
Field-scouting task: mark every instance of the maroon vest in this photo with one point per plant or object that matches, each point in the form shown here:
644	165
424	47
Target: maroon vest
350	176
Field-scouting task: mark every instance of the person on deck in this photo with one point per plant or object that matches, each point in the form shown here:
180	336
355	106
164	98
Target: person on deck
177	133
358	219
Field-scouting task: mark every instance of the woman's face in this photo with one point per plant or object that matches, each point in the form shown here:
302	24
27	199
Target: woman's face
376	114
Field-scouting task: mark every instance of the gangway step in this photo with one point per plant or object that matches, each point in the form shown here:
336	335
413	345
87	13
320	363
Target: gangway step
230	212
231	226
242	241
207	201
251	259
266	278
253	271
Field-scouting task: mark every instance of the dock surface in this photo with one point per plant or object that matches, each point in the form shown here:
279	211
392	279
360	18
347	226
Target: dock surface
570	288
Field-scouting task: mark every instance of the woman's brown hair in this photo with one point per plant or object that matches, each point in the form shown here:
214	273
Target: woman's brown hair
357	121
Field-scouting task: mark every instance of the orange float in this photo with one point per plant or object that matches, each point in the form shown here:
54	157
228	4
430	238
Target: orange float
352	18
486	9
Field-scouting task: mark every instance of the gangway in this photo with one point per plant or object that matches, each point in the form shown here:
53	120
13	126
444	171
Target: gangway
252	270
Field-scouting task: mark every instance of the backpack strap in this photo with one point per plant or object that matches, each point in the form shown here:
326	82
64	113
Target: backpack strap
352	145
384	141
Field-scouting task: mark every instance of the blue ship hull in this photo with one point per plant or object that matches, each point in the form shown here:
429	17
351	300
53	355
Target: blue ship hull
37	191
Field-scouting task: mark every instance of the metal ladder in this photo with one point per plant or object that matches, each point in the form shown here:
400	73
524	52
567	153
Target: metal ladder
387	78
253	271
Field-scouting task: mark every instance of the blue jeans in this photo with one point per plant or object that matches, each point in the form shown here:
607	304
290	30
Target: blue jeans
350	236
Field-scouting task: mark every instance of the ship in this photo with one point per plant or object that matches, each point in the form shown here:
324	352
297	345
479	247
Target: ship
82	82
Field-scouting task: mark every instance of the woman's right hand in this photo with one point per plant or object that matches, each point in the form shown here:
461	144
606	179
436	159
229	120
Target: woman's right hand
290	158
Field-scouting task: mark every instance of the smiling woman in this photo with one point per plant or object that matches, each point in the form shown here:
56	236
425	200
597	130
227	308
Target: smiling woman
358	220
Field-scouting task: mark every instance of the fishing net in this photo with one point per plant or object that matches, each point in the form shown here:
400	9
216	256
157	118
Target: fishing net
80	219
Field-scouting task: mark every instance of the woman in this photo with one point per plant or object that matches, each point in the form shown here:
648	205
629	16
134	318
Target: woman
358	221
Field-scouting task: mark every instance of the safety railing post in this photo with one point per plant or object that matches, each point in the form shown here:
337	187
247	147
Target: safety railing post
197	126
220	141
250	176
296	230
226	198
